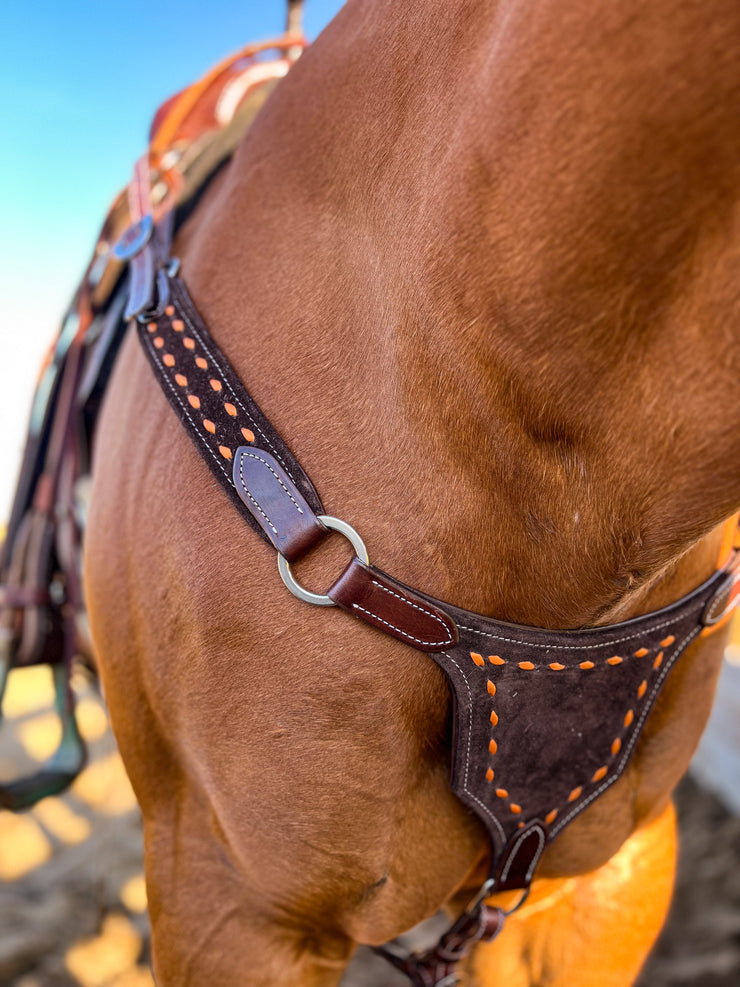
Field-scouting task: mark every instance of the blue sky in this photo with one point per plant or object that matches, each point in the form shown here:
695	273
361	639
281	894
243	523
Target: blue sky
79	82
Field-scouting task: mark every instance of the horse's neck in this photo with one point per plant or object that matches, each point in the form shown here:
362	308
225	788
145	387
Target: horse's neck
477	270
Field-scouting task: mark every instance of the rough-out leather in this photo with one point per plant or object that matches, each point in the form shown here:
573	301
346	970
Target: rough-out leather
276	504
385	603
210	400
544	721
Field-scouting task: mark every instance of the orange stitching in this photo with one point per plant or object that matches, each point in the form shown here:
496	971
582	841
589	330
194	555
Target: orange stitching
182	381
616	660
490	686
494	718
188	343
170	310
658	660
575	794
492	746
667	641
178	325
495	660
200	362
225	452
629	718
152	326
209	426
556	666
248	434
193	401
230	409
642	690
551	817
478	659
216	385
516	809
616	746
641	653
526	665
502	793
586	664
168	360
489	774
158	342
598	775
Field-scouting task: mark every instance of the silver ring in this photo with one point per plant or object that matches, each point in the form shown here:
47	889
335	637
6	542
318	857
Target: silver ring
320	599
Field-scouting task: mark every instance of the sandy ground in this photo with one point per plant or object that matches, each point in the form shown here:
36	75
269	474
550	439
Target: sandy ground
73	905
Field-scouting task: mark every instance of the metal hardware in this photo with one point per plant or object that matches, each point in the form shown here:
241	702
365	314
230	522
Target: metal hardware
134	239
319	599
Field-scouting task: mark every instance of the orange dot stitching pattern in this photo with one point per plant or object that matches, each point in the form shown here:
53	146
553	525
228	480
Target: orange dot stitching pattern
616	744
193	400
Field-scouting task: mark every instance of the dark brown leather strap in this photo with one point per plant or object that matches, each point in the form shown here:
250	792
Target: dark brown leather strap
726	596
385	603
437	967
521	856
276	503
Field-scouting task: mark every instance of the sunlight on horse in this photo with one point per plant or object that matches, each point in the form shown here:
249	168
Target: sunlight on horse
476	265
462	261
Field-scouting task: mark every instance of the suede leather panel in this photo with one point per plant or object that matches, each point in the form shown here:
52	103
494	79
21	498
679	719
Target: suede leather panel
545	721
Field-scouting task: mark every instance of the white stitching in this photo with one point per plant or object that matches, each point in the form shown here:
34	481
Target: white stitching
259	459
169	383
577	647
450	638
616	772
428	644
194	329
249	494
515	846
483	806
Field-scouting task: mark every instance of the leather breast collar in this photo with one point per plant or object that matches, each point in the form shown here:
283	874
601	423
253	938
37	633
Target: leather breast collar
545	721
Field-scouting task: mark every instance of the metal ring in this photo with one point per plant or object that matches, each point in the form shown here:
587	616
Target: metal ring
320	599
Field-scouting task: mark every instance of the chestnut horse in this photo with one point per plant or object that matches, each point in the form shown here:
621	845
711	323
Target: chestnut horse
477	262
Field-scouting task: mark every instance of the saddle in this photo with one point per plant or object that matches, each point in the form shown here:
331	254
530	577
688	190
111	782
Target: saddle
544	721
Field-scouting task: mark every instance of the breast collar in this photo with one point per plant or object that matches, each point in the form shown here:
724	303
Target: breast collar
544	721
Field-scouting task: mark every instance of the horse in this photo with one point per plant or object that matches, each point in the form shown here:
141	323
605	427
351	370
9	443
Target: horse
477	261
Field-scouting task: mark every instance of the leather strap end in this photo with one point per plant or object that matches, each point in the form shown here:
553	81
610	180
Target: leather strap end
726	598
276	503
521	856
379	600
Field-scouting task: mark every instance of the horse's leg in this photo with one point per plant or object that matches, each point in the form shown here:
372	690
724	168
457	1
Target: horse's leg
210	927
594	929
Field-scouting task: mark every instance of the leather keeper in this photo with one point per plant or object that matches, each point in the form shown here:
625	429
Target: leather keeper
373	596
275	503
520	858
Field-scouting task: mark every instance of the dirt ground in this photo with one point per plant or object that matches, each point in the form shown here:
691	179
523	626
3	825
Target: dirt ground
73	905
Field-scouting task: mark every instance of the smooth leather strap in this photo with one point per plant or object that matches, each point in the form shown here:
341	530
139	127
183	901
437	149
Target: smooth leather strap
726	598
276	503
521	856
383	602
